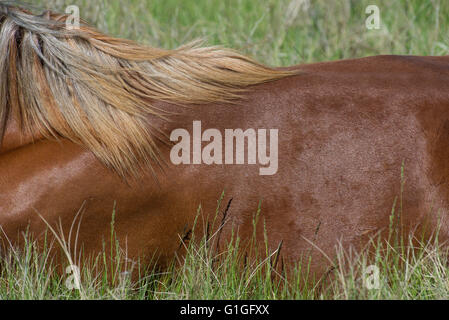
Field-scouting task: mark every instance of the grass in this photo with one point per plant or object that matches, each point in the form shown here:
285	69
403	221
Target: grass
278	33
402	269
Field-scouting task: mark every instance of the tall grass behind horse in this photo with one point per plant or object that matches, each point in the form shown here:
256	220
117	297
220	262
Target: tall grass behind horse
86	121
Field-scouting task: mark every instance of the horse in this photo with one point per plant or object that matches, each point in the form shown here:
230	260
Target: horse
324	152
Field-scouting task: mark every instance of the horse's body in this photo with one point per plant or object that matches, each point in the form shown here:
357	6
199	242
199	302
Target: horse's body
346	129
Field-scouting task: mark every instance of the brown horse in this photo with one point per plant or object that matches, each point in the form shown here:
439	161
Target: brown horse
101	123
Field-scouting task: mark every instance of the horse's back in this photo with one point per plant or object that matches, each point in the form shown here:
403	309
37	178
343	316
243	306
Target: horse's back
358	140
346	130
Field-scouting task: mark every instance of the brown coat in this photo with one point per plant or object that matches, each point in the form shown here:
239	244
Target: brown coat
345	130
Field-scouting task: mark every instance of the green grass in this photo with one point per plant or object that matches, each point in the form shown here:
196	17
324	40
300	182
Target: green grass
405	269
277	33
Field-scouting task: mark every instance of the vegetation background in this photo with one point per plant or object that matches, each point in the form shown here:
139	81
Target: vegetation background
278	33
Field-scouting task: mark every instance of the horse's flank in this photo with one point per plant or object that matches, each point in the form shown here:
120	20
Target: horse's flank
98	91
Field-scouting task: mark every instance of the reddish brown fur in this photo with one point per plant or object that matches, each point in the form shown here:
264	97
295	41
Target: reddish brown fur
345	128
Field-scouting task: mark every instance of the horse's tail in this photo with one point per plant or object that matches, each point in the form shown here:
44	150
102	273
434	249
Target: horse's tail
98	91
